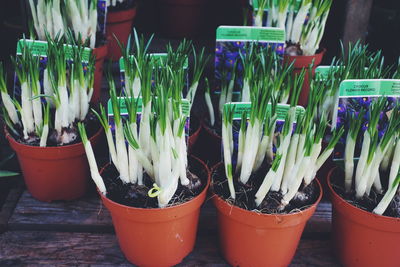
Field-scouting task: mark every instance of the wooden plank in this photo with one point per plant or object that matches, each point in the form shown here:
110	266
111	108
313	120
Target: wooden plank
8	206
89	215
86	214
62	248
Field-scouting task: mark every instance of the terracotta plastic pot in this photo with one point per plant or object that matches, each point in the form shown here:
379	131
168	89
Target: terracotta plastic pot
119	23
157	237
182	18
193	137
54	173
301	62
101	53
361	238
253	239
209	144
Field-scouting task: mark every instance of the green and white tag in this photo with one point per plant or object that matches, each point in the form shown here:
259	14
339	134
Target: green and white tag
355	95
256	5
124	112
156	60
251	34
281	110
39	48
370	88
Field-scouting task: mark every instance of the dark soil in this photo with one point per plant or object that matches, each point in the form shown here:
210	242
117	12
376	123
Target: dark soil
92	126
245	194
122	6
367	203
293	50
134	195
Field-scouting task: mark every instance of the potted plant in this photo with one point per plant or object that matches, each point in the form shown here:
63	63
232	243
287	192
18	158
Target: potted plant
120	16
264	193
42	125
304	22
56	17
355	63
235	86
365	193
151	188
174	59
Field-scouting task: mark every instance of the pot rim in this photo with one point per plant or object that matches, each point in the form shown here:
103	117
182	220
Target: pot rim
10	138
126	14
198	128
354	208
321	53
265	215
204	191
208	129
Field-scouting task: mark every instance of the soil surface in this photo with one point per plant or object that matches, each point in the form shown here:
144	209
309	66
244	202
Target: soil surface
92	126
134	195
367	203
245	194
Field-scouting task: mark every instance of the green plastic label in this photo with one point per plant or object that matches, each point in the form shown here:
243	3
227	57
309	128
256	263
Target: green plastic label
39	48
323	72
124	110
281	110
156	59
256	5
377	87
247	33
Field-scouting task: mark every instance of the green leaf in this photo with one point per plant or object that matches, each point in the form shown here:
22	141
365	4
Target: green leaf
8	173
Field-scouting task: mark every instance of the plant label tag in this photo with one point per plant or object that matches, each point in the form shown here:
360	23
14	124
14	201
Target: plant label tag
240	107
125	115
322	72
39	49
355	95
157	61
232	40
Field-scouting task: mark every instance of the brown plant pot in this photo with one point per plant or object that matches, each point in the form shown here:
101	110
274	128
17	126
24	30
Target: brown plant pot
54	173
157	237
362	238
303	62
182	18
250	238
119	23
100	53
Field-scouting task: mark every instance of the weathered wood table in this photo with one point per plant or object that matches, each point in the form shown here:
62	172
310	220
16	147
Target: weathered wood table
81	233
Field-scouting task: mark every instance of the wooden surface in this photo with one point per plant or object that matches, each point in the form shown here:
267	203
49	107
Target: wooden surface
81	233
64	248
